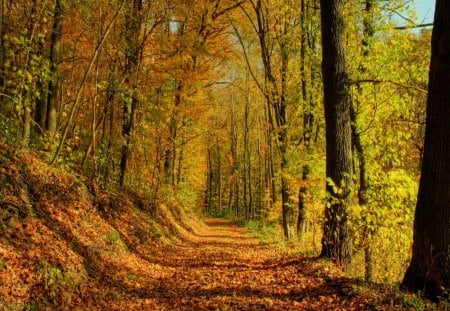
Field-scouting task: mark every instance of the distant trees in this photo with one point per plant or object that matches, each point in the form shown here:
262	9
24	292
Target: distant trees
429	269
336	240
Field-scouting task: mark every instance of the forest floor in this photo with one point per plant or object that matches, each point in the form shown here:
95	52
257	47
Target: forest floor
223	267
66	245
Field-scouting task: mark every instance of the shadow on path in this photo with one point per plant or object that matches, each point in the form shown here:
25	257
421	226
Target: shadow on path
224	268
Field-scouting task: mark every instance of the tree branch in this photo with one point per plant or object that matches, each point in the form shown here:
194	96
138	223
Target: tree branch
83	81
238	35
405	86
414	26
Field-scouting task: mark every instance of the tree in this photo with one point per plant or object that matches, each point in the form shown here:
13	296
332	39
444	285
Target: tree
336	241
429	269
133	60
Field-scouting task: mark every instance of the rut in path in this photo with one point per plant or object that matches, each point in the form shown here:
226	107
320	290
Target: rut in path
224	268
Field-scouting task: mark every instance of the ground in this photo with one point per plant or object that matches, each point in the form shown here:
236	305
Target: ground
65	244
223	267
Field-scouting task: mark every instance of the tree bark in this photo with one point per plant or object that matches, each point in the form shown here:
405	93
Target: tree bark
429	269
336	241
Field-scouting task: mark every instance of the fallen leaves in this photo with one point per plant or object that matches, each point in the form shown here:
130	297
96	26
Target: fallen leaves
74	254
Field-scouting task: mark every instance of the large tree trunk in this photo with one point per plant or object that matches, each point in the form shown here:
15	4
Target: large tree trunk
336	241
429	269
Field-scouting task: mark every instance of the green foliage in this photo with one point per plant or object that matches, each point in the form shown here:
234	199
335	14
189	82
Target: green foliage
265	231
56	284
224	213
113	237
187	197
386	224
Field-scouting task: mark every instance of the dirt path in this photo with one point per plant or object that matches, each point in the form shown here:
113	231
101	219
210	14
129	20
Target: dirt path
224	268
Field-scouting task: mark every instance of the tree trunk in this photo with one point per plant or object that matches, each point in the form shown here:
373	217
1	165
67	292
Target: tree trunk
2	47
368	32
246	168
261	173
171	151
301	219
281	116
429	269
285	207
209	190
27	92
219	176
129	111
307	99
270	170
234	165
132	52
26	122
362	197
336	241
52	89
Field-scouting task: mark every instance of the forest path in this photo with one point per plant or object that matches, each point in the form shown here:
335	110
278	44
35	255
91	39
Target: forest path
223	267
